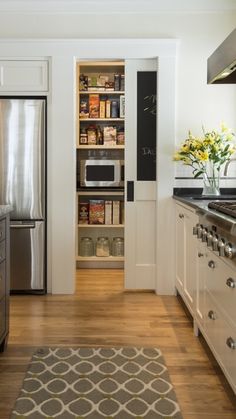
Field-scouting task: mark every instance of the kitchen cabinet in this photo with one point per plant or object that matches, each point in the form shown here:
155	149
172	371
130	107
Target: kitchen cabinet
186	261
23	76
218	323
210	292
4	278
100	138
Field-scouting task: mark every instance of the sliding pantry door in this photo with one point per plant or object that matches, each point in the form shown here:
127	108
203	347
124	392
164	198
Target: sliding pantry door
140	173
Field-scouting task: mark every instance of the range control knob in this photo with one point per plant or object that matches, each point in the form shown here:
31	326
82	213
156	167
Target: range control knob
215	241
221	247
209	238
204	234
195	229
230	250
199	231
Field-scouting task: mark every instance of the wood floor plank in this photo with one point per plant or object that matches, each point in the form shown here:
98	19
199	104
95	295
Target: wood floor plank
100	313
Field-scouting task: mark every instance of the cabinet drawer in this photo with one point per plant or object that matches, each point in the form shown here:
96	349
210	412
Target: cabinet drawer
2	250
220	333
2	317
2	279
220	281
2	230
23	76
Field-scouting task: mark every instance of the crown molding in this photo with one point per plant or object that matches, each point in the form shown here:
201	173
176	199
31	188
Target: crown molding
116	6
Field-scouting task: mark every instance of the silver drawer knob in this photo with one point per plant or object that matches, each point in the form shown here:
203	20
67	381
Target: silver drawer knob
211	315
230	282
231	343
211	264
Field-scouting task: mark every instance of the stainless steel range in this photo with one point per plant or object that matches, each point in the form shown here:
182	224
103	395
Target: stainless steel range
228	208
217	228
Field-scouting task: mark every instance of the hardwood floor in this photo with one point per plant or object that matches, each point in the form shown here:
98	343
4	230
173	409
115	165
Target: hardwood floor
101	314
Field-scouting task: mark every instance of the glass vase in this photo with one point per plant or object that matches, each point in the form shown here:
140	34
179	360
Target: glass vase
211	180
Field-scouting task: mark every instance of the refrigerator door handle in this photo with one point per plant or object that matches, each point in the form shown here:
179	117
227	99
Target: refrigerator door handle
28	225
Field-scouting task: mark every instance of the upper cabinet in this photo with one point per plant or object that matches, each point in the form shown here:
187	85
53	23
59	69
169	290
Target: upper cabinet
23	76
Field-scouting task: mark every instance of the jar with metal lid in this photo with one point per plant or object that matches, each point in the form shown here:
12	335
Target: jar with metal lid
83	139
102	247
117	247
86	247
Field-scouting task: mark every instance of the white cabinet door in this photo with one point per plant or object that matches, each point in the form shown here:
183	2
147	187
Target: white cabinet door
200	280
191	220
140	212
186	254
180	247
23	76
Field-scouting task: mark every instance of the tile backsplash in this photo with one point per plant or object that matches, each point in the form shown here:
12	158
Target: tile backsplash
184	177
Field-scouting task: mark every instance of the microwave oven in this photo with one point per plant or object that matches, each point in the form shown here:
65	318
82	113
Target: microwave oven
102	173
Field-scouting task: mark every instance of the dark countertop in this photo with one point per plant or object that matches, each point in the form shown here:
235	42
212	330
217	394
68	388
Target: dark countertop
200	204
5	209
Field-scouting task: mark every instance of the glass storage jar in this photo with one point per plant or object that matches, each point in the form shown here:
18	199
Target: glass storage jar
102	247
86	247
117	247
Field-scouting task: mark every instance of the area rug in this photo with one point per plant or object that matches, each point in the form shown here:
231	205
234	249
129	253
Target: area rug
97	383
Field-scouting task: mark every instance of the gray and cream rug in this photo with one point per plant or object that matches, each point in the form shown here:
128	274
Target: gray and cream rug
97	383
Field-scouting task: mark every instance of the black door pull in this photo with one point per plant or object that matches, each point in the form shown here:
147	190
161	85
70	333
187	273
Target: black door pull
130	190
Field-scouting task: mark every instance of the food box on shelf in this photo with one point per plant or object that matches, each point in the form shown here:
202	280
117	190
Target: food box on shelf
94	106
108	212
96	211
83	213
109	135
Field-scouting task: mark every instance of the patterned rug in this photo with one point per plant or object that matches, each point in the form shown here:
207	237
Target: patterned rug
97	383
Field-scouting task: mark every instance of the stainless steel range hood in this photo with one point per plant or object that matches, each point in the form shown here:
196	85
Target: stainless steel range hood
221	65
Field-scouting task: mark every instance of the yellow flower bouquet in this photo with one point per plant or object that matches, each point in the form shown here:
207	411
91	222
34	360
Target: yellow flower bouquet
207	154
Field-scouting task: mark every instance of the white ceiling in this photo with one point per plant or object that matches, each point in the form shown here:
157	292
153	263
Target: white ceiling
116	6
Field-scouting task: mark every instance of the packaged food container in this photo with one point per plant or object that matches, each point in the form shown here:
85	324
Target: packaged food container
83	139
102	247
117	247
86	247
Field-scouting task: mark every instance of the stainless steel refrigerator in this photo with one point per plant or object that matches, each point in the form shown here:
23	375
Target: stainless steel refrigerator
23	185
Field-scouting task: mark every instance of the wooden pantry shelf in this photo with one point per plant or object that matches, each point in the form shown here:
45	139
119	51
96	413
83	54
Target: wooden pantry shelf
101	63
102	92
101	225
100	259
101	119
103	146
100	193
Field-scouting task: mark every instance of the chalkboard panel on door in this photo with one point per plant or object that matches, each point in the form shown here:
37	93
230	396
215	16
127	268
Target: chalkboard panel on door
146	125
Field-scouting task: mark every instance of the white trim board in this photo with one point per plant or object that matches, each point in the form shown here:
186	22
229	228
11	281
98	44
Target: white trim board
115	6
62	55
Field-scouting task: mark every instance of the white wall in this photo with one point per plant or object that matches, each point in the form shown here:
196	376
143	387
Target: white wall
196	103
199	34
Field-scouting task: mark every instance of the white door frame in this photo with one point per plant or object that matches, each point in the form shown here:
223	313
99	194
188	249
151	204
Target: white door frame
62	55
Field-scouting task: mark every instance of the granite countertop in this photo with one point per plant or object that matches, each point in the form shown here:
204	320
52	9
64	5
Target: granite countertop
200	204
5	209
